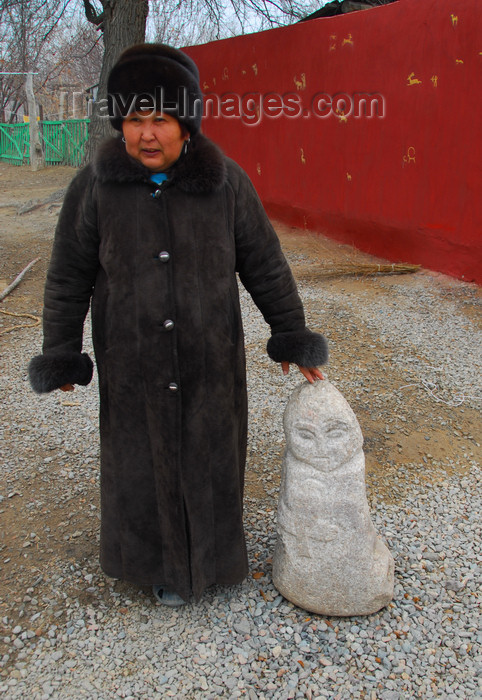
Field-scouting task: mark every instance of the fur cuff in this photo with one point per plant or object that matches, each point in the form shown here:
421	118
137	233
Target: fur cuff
51	371
303	348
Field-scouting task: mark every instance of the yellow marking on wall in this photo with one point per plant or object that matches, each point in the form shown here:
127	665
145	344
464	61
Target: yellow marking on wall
341	114
300	84
243	72
458	60
225	73
333	42
348	40
455	20
348	177
258	168
411	80
255	68
434	80
205	86
410	156
214	81
303	159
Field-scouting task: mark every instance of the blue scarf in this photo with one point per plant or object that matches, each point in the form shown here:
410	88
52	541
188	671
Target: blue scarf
158	177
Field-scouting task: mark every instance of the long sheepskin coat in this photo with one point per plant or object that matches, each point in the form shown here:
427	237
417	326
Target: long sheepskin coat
158	266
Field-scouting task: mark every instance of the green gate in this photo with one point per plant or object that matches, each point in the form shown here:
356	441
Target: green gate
14	143
63	142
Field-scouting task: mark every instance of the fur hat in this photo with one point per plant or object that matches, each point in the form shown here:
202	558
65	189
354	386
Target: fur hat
148	76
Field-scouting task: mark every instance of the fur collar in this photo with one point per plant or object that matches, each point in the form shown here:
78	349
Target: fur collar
201	170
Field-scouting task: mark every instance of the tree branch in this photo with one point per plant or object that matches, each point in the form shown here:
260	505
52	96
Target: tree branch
96	19
17	279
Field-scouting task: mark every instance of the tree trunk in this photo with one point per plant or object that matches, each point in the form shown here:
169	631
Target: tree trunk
36	150
123	23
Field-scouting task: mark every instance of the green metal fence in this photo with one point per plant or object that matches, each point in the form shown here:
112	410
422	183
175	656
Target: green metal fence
63	142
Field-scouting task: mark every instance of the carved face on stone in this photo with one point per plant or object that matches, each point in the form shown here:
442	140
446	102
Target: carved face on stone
321	428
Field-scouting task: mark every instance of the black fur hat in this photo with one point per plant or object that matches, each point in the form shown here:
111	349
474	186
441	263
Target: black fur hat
148	76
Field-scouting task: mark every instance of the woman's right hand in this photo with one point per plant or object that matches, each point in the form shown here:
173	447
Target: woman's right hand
67	387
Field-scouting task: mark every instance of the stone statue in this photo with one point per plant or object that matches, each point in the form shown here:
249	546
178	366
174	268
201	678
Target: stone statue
328	558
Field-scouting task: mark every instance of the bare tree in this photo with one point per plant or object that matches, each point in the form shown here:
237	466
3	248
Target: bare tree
122	23
188	22
233	17
70	67
179	24
28	27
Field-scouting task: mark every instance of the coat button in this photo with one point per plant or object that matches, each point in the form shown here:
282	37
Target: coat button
168	324
157	194
173	387
164	256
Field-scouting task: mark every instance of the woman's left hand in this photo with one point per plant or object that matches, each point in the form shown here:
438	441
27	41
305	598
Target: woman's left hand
310	373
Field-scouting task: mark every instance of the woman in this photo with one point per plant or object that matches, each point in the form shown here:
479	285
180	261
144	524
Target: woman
157	259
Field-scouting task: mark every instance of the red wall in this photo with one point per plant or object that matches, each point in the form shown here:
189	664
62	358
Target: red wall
406	186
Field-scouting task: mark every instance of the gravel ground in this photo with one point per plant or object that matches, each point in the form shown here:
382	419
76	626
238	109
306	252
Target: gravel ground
406	353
